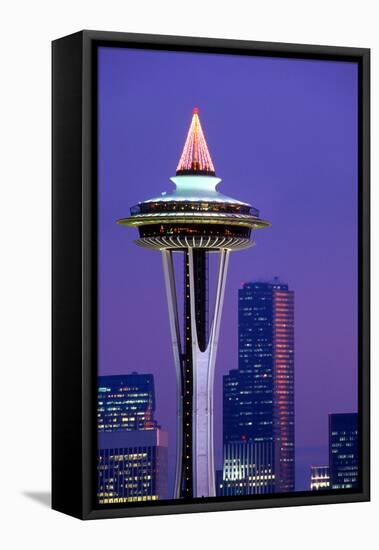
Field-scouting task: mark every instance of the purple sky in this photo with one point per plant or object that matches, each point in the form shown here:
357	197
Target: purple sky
283	136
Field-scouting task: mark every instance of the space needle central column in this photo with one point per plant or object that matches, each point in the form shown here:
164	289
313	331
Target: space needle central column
194	220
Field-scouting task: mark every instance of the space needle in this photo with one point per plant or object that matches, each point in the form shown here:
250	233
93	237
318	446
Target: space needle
194	220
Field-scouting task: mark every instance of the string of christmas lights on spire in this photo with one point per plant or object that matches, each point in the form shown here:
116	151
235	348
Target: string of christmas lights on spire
195	159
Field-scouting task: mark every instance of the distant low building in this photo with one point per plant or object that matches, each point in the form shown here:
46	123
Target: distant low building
320	478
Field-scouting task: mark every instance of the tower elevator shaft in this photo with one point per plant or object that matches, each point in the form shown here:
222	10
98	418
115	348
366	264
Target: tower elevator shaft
200	276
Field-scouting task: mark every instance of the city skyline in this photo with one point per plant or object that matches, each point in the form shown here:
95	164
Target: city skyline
251	464
254	453
312	138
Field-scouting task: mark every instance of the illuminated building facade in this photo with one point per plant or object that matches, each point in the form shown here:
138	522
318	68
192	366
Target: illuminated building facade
126	402
194	220
248	469
258	397
343	451
283	345
132	466
320	478
132	449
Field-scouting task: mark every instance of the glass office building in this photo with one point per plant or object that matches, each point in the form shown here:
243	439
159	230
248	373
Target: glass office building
126	402
258	397
343	451
132	466
132	456
248	469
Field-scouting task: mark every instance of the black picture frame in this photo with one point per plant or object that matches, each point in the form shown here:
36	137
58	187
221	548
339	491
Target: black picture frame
74	253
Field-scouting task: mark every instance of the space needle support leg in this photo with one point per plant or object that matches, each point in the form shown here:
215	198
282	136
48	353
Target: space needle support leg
168	268
203	381
213	345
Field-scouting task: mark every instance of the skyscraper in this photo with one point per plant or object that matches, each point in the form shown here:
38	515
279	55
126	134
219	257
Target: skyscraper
194	220
258	397
284	386
132	449
343	451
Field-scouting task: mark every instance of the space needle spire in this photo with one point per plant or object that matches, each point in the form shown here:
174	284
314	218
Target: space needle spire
195	158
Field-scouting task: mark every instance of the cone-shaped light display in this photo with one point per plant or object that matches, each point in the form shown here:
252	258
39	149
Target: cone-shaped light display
195	157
